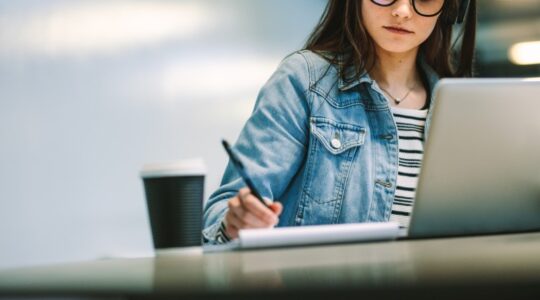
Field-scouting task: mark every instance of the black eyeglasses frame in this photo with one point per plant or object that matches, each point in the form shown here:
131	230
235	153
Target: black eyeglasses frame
413	2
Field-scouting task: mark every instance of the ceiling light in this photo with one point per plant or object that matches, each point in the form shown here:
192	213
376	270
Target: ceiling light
526	53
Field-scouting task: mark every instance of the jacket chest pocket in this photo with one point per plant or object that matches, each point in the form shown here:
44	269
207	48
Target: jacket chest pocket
333	148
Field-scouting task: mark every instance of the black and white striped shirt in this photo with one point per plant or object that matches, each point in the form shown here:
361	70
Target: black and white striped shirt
410	124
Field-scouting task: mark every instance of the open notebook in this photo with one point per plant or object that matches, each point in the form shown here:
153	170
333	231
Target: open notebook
310	235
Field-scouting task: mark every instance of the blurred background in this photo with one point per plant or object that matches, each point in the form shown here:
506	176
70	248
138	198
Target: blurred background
92	90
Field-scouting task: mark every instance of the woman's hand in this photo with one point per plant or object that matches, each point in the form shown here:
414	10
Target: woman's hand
246	211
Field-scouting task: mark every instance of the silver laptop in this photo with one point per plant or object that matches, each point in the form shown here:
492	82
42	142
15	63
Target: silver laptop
481	166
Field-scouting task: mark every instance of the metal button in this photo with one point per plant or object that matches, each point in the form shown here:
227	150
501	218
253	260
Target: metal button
336	144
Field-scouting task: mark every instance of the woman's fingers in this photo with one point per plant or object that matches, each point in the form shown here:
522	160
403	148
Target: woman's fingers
255	207
276	207
231	218
246	211
252	221
231	228
246	218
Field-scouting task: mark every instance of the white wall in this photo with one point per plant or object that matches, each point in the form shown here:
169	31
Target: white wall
92	90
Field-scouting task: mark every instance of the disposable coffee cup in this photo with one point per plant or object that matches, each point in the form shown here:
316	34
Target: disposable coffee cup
174	198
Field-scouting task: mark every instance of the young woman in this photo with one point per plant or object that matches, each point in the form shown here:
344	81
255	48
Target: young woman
336	135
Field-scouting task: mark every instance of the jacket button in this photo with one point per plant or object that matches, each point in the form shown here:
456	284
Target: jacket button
335	143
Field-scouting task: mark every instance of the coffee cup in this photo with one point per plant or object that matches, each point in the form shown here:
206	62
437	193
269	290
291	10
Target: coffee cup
174	198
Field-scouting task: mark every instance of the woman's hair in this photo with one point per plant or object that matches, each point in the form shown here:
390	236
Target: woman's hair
342	39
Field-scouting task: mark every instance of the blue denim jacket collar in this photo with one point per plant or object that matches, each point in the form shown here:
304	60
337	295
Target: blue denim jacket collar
431	76
344	86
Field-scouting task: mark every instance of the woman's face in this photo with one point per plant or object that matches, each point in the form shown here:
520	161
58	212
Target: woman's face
396	28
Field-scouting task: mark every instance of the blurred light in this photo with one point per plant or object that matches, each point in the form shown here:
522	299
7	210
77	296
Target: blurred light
526	53
104	26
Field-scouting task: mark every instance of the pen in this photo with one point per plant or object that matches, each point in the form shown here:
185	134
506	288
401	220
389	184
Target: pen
242	171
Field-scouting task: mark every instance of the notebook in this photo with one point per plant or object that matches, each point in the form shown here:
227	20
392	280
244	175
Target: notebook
309	235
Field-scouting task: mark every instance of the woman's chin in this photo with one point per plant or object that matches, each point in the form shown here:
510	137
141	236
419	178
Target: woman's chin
398	49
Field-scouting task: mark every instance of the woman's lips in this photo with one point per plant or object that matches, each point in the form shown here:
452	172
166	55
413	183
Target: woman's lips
397	30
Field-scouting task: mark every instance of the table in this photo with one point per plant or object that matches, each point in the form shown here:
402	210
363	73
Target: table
494	267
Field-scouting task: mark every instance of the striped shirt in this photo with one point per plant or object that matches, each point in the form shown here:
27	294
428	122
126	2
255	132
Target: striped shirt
222	237
410	124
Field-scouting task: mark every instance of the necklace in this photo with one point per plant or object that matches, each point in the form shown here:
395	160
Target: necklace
398	100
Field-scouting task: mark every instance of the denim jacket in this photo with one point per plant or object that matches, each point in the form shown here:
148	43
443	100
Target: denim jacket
326	149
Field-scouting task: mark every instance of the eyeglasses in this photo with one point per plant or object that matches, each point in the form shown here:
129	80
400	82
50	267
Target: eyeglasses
426	8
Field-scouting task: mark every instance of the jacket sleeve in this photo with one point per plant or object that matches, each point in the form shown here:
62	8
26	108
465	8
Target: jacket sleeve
272	143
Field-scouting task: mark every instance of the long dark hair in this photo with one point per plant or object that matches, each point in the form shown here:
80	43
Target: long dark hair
341	38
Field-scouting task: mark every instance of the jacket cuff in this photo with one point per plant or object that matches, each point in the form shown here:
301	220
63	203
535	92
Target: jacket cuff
211	233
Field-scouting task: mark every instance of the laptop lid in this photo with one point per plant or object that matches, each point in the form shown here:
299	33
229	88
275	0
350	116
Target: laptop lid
481	165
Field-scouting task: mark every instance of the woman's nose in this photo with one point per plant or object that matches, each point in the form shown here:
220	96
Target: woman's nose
403	9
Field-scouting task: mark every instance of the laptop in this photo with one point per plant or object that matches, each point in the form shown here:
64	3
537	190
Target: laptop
481	167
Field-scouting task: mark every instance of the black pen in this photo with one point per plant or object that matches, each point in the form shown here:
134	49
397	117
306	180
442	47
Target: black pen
242	171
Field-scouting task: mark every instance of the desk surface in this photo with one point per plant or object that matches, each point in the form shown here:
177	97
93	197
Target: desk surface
499	265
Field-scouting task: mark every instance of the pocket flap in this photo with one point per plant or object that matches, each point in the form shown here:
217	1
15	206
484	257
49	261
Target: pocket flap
335	136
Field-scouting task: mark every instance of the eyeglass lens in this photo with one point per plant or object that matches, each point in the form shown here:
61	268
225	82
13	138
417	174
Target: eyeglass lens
425	8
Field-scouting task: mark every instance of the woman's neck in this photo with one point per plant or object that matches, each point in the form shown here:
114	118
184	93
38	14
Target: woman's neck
396	71
397	75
